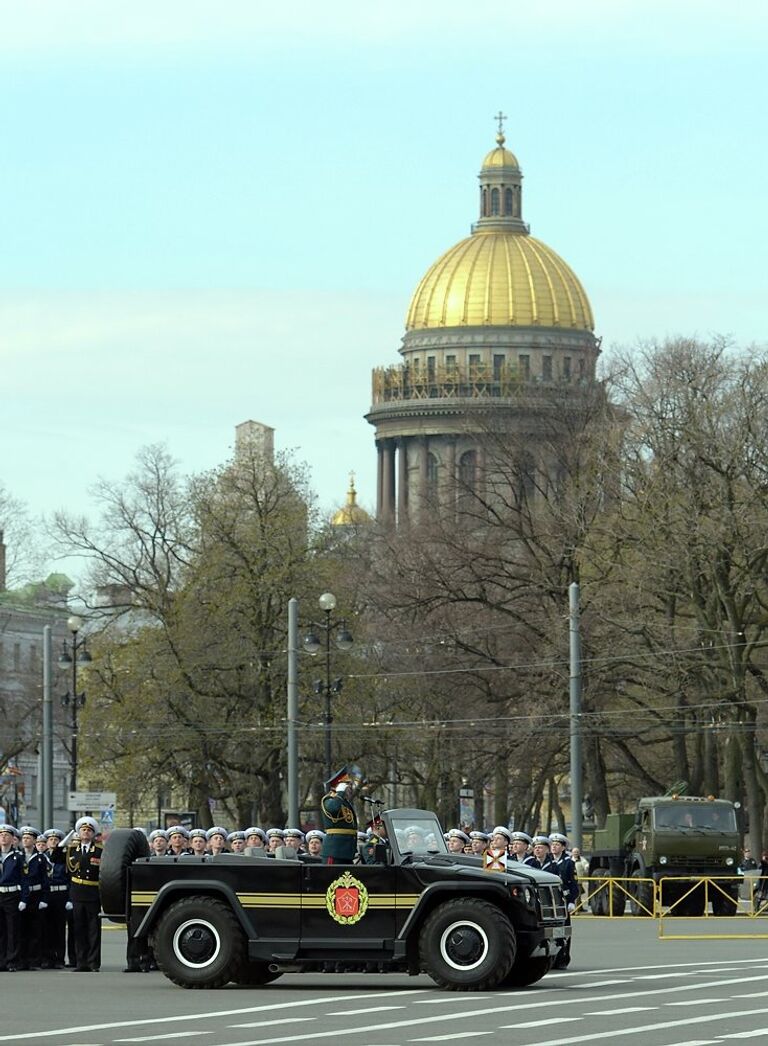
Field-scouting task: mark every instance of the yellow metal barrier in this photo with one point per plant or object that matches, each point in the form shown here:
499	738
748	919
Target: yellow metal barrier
610	896
695	895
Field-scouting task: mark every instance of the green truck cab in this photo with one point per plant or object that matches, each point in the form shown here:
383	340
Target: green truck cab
417	908
668	838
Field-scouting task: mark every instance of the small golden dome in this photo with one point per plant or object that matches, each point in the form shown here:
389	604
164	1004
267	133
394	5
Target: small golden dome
351	515
500	278
500	157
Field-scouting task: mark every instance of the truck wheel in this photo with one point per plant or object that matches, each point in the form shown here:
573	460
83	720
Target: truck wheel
722	905
640	896
467	945
199	943
598	902
124	846
527	971
252	974
615	901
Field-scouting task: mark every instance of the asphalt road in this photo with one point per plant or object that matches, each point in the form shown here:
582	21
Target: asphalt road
623	981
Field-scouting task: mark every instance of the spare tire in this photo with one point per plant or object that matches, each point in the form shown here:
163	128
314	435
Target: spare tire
122	848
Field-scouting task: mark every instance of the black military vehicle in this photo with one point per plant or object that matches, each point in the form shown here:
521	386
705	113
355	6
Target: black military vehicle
247	919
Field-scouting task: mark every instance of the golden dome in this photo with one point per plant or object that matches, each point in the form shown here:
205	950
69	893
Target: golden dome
500	278
351	514
500	157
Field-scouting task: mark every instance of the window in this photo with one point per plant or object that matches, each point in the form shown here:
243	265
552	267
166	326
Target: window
546	368
450	364
494	201
16	656
498	366
581	370
468	471
524	363
33	662
431	472
567	368
484	204
431	368
474	366
508	206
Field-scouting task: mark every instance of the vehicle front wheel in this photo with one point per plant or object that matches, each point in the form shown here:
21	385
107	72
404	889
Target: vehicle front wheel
199	943
525	972
467	945
640	895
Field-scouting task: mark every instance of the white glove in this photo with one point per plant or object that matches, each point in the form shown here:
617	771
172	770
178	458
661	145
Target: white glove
42	906
571	906
68	906
22	906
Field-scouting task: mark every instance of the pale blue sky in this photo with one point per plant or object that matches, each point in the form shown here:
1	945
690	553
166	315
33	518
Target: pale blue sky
213	213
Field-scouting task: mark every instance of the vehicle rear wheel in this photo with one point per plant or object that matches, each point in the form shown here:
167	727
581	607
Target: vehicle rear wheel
527	971
122	848
640	896
199	943
598	902
252	974
467	945
722	904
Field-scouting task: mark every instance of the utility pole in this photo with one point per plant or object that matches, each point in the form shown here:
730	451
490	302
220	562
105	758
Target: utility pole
46	761
293	712
574	636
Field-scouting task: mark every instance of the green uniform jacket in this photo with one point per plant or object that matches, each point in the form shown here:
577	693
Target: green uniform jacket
339	822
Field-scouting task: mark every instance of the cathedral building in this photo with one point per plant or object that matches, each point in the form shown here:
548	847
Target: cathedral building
496	326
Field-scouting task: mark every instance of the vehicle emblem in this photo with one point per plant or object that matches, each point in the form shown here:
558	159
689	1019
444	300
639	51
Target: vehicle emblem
346	899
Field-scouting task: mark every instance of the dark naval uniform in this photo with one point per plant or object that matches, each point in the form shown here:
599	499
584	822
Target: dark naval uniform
36	868
339	822
54	945
13	891
83	861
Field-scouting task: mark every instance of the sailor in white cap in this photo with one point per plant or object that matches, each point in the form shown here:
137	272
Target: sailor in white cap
178	837
255	838
236	841
158	842
83	855
36	874
314	840
501	837
274	838
55	930
13	892
457	840
541	852
478	841
217	840
521	843
294	837
197	842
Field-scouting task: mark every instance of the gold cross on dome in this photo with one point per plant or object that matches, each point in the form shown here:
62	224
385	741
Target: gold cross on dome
501	117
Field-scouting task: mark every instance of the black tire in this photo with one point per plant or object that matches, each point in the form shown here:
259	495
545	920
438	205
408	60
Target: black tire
199	943
615	900
253	974
722	905
525	972
640	896
598	902
467	945
691	905
123	847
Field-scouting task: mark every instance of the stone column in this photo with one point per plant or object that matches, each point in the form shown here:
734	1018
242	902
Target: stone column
423	445
379	480
388	482
402	480
450	476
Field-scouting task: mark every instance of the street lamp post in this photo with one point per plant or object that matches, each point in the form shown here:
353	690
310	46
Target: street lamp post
73	654
328	687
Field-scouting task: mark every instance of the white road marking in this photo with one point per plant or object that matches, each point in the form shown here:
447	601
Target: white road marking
696	1042
449	998
563	974
142	1022
667	976
265	1024
368	1009
168	1035
750	995
623	1009
704	1002
661	1026
456	1035
540	1024
599	984
763	1032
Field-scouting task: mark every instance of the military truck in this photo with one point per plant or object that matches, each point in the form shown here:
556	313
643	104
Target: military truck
668	837
231	917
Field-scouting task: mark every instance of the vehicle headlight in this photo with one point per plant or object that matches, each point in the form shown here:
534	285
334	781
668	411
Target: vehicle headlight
662	860
729	861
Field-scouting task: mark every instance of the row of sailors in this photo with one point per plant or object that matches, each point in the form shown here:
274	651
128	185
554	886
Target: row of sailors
178	841
548	852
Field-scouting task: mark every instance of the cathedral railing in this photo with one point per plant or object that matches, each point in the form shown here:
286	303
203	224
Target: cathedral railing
403	382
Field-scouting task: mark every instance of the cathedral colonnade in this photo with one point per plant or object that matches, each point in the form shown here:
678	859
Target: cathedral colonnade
417	475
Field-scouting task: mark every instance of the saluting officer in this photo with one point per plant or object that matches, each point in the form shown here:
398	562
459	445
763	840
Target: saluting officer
339	820
83	855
